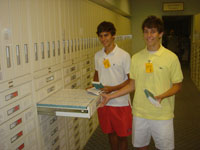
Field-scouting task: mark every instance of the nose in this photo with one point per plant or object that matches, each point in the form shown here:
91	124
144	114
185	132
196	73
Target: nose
149	34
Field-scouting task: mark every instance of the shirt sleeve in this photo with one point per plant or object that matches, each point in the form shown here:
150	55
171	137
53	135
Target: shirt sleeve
176	72
132	69
127	63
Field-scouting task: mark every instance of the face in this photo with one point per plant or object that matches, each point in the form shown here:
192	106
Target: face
152	38
106	39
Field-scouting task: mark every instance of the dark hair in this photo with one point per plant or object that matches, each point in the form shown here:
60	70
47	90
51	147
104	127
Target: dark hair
106	27
153	22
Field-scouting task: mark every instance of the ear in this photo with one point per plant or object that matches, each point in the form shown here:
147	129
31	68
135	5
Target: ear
161	34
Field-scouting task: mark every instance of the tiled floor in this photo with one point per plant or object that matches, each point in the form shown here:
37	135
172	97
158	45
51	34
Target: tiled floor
186	121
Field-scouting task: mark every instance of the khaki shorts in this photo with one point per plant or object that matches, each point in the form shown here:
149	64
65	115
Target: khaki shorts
162	132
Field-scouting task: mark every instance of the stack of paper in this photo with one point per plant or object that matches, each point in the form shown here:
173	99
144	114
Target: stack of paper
151	98
94	91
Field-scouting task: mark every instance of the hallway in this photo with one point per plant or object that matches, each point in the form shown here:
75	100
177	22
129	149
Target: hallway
186	121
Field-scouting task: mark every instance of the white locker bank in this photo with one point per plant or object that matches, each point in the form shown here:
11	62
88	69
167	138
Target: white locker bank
47	52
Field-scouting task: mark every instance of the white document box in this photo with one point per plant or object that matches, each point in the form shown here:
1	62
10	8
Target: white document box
69	103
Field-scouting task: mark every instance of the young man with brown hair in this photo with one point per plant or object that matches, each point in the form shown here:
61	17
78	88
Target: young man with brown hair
112	66
158	70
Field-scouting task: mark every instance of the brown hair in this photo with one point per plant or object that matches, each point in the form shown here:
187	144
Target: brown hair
153	22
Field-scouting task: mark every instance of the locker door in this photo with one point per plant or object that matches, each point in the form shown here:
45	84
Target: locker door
47	38
16	41
6	43
24	34
58	27
52	10
34	44
71	27
67	31
41	29
63	28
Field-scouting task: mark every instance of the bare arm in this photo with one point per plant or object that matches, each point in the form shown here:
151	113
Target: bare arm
126	89
96	77
172	91
108	89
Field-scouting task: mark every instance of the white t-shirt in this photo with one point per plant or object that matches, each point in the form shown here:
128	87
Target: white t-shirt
117	72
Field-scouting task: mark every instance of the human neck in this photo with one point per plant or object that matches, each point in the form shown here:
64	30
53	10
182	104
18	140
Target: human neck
109	48
153	47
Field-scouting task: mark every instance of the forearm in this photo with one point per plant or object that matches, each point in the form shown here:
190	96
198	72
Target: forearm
129	87
96	77
118	87
172	91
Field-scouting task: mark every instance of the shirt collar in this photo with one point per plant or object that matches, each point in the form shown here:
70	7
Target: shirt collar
112	52
159	51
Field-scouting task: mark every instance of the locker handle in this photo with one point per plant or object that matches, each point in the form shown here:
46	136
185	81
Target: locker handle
58	48
78	41
74	85
72	45
88	76
77	141
89	42
8	56
68	47
11	95
73	68
73	77
76	127
50	89
42	47
12	110
54	131
18	54
85	44
16	123
54	48
26	53
90	131
14	138
53	120
75	46
64	50
48	49
20	147
49	78
87	62
77	134
36	51
55	140
82	44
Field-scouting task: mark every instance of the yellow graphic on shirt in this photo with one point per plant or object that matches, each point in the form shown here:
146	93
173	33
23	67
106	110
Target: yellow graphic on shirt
106	63
149	67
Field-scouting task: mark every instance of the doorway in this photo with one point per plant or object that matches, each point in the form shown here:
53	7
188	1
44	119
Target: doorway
177	36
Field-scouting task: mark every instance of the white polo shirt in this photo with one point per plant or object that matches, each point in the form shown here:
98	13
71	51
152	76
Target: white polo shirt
117	72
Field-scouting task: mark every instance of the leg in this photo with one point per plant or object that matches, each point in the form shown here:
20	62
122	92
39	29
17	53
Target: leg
141	133
163	134
123	143
113	139
142	148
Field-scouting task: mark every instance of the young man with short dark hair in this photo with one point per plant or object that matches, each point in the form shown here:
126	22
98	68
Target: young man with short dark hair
112	66
158	70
